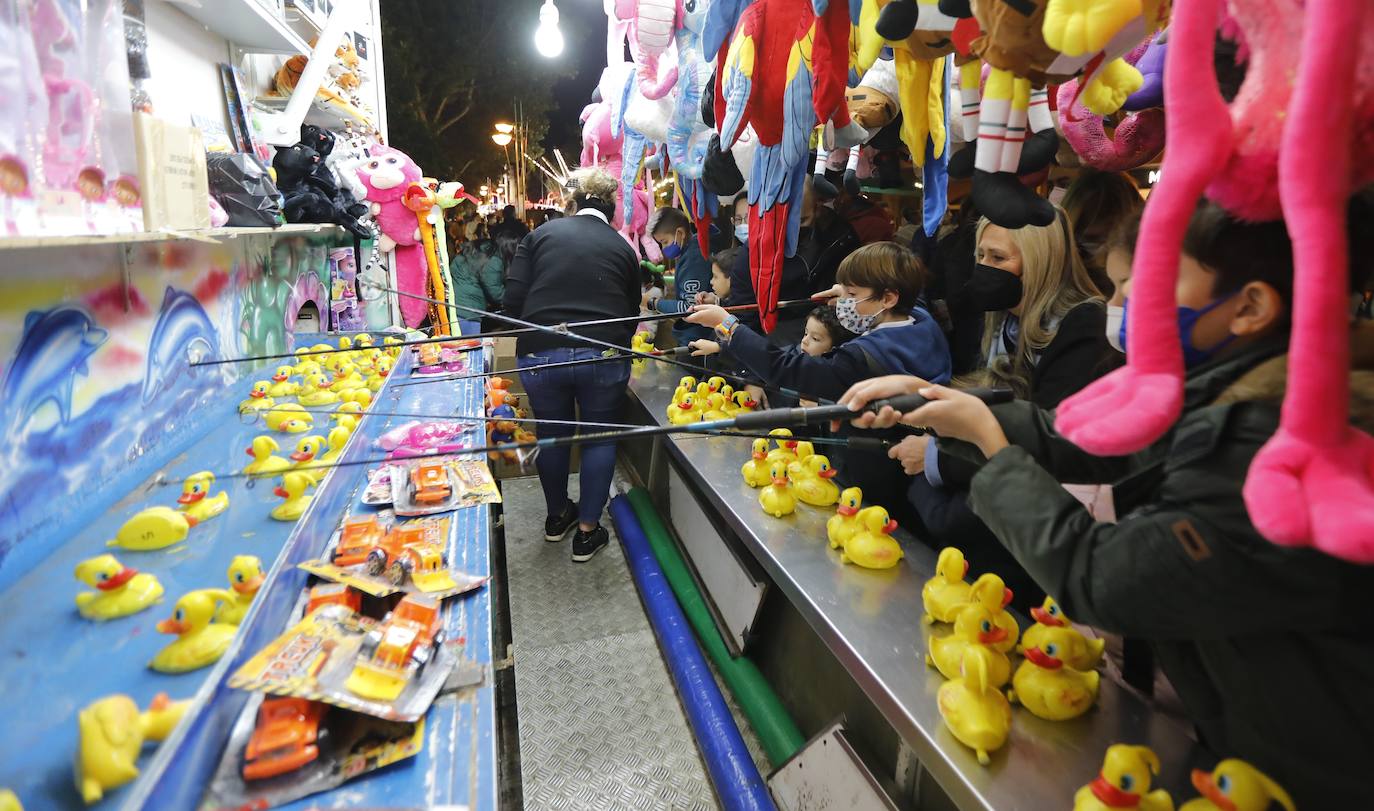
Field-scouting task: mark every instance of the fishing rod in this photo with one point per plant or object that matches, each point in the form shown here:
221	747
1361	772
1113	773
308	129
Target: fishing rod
501	333
562	332
766	419
680	350
861	443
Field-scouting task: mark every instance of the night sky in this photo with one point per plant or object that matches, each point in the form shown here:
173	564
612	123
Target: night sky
584	31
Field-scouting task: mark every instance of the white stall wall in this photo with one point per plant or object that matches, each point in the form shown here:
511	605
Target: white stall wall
184	59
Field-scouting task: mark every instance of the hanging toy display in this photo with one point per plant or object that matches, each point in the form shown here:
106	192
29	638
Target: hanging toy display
387	176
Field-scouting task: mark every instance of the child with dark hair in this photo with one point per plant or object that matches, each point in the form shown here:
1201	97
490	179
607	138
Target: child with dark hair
1268	646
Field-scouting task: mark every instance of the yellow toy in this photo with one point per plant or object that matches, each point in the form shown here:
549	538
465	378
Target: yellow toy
1124	782
989	590
715	384
803	450
688	382
787	446
257	398
642	341
974	710
245	578
703	395
361	395
972	626
393	346
755	471
946	592
1235	785
282	384
153	528
715	408
111	732
347	377
678	394
304	458
346	409
348	422
684	412
362	339
844	523
264	462
1049	689
744	403
9	801
196	502
199	642
316	391
120	591
307	366
816	487
286	412
872	546
1049	615
292	489
776	499
338	438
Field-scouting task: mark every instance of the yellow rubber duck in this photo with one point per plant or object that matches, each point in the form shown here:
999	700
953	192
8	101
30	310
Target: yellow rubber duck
199	642
744	402
688	382
1235	785
292	489
317	391
361	395
264	463
282	384
285	412
258	399
715	408
945	593
304	458
815	487
1049	615
755	471
195	500
120	591
715	384
642	341
362	339
9	801
111	732
776	499
872	546
307	366
348	422
975	711
346	409
787	446
1124	782
678	394
992	592
684	412
972	626
728	392
796	467
245	578
393	345
1047	687
703	395
844	523
338	438
152	528
347	377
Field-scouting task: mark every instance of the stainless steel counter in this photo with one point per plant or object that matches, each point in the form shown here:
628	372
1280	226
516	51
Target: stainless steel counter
871	621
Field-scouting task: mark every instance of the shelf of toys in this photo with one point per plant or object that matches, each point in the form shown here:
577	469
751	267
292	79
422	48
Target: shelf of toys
856	604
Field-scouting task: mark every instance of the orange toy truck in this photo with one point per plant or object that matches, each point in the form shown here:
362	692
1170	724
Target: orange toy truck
429	484
395	650
287	737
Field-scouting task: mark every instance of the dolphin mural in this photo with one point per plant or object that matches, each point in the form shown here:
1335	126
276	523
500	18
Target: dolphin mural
183	334
51	353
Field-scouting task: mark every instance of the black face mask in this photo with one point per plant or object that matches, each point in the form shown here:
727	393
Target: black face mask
992	290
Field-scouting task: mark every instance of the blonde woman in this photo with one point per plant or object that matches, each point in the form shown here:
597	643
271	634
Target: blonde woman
1044	336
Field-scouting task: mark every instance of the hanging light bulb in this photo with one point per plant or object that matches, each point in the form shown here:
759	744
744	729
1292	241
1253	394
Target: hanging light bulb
548	40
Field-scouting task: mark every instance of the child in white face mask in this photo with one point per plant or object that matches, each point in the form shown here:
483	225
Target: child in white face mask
1120	255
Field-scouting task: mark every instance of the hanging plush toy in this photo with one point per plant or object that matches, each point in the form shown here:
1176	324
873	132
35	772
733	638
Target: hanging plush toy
1269	154
387	176
1136	139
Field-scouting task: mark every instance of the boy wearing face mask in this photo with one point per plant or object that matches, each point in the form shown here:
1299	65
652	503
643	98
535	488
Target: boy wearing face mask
1268	647
878	289
671	229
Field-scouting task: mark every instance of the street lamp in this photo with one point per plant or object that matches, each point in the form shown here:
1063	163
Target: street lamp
502	139
548	40
505	128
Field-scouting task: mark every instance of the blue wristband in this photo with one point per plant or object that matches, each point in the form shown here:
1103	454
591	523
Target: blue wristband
726	328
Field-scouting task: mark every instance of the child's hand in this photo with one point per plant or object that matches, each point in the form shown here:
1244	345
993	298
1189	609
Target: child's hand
952	413
808	403
707	298
832	293
701	348
879	388
911	452
707	315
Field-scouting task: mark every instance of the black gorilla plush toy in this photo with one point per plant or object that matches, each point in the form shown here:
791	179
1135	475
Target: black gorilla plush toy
310	191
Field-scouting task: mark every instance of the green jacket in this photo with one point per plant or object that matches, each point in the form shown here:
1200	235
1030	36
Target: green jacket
1270	648
478	277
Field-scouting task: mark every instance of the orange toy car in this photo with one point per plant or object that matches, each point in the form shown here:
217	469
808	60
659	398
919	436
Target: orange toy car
406	638
287	737
358	537
429	484
334	594
406	550
429	354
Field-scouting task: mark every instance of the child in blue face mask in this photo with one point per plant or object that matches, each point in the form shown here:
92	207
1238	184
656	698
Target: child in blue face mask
671	229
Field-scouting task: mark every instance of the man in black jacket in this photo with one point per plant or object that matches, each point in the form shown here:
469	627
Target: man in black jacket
575	269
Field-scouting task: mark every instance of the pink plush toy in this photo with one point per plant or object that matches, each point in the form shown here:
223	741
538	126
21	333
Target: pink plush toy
387	176
1270	153
1137	139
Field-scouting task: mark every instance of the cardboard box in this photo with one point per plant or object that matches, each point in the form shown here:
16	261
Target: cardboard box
171	171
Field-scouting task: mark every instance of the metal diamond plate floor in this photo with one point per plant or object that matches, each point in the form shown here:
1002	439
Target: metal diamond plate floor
600	723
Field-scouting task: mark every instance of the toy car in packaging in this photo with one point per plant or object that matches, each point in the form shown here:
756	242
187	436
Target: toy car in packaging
393	652
425	489
408	557
378	491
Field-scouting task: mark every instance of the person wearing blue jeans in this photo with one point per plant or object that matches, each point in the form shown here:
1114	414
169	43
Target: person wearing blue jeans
575	269
594	392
